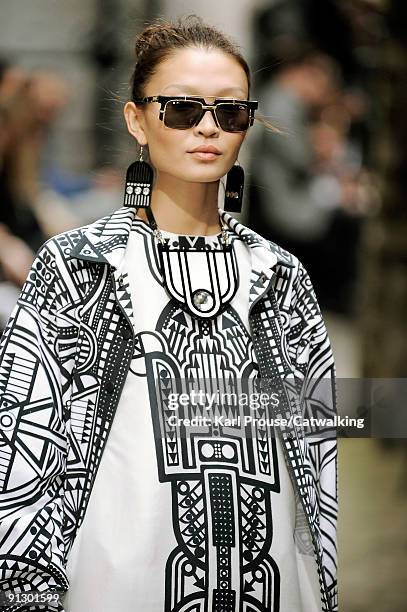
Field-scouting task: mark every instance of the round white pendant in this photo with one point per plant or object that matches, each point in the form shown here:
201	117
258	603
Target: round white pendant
201	299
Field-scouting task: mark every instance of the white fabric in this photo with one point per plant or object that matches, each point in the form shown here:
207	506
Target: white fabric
119	556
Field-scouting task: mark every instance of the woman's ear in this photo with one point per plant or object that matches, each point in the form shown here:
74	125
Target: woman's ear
135	122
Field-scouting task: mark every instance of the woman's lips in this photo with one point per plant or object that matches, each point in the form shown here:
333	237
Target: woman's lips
207	156
206	152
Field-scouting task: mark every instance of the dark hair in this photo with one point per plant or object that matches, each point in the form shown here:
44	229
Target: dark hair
161	38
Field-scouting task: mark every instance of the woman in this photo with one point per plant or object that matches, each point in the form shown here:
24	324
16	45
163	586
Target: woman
114	363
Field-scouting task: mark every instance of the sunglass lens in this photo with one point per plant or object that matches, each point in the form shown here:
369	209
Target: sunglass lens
181	114
233	117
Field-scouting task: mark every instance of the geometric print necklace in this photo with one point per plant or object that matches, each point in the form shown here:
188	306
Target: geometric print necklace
202	278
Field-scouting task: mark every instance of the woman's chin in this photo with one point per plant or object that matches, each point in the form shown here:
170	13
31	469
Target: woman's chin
205	171
194	171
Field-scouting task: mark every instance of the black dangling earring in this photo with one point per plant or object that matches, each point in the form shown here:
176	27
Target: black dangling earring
234	189
139	183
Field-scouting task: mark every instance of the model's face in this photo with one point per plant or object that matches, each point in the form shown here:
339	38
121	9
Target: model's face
208	74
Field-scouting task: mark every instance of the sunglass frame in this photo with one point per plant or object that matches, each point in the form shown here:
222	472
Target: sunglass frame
163	100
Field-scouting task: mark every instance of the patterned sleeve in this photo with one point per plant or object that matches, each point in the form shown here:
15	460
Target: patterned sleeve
313	360
33	445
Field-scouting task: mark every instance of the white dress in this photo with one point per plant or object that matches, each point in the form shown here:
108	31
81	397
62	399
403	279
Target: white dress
195	518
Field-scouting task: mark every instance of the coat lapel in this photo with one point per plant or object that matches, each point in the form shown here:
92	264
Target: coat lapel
105	242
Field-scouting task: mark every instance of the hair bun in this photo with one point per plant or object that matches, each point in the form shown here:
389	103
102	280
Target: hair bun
151	37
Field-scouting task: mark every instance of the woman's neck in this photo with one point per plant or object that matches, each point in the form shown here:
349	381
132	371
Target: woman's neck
184	208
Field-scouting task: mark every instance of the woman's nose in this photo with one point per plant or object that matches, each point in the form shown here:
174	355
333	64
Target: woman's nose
207	124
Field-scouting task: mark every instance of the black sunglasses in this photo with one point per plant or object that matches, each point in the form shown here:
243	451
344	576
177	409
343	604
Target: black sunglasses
184	112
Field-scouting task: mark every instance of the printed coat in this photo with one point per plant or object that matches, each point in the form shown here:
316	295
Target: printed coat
64	358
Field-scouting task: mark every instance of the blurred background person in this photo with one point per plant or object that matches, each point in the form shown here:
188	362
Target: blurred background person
20	233
307	192
28	105
38	198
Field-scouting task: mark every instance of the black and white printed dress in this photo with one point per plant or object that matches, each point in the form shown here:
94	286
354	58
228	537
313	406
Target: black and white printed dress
180	518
